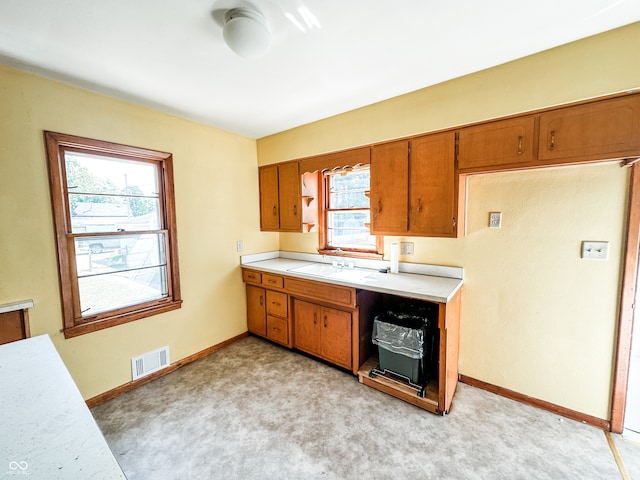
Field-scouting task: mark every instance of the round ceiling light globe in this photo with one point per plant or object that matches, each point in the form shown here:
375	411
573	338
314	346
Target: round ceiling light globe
246	32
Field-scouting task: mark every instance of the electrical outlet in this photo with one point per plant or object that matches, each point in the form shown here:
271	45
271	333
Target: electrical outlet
495	219
406	248
239	246
595	250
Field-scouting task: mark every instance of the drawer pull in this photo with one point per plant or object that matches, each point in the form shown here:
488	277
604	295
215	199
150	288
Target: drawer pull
552	142
325	321
261	300
276	303
520	145
315	318
272	281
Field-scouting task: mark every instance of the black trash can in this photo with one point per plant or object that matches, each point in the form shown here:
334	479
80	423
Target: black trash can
406	341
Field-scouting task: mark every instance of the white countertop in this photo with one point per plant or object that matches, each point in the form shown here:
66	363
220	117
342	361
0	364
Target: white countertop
46	428
426	287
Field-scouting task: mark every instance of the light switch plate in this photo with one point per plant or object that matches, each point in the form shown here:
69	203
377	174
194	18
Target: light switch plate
495	220
595	250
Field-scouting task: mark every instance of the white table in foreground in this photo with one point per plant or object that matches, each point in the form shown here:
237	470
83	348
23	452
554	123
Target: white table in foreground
46	429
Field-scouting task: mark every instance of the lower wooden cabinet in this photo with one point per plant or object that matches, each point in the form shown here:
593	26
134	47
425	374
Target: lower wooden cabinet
256	310
267	314
324	332
300	313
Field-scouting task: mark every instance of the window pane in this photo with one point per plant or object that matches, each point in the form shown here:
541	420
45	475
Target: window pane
119	270
105	254
120	289
107	194
347	190
348	199
108	213
95	174
348	230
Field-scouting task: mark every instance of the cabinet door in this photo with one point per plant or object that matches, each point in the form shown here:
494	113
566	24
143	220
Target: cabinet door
595	131
496	145
269	215
389	188
306	326
335	337
289	197
432	181
256	312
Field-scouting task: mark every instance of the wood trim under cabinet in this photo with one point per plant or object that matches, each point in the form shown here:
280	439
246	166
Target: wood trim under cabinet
116	392
535	402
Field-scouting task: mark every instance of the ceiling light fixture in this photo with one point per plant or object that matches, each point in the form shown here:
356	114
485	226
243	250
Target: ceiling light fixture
246	32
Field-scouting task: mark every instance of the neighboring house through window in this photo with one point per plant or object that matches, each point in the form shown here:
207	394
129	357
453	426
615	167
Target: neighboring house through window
114	215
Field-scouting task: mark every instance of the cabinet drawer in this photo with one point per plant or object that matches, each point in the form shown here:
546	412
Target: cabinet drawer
273	281
278	330
322	291
251	276
277	304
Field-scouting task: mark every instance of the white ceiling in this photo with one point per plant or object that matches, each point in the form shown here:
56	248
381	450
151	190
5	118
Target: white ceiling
169	54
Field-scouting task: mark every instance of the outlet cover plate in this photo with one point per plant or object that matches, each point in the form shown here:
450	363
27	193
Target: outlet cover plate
406	248
595	250
495	219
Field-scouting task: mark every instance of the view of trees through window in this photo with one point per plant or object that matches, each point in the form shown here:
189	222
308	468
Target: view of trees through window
347	210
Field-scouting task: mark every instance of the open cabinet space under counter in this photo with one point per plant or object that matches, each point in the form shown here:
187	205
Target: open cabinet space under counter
348	318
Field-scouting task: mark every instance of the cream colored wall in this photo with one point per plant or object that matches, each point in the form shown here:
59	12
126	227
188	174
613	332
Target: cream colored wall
536	318
216	200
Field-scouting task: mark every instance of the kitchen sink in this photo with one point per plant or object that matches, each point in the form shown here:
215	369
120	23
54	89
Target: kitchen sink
339	273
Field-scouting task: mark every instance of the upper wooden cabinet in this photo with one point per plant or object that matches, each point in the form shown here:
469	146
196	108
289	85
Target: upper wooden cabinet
432	186
594	131
269	204
280	197
599	130
413	187
505	143
416	187
389	188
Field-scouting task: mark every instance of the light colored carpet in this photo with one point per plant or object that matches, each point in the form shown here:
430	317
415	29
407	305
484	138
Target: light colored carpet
255	410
